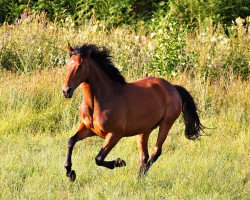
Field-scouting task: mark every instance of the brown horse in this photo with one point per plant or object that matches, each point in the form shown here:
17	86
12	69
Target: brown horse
113	108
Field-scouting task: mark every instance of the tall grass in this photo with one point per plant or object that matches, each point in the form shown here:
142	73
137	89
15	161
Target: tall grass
165	48
38	43
36	121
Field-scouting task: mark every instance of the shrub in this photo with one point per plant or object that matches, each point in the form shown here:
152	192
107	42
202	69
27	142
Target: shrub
194	12
30	44
169	56
168	48
35	42
212	53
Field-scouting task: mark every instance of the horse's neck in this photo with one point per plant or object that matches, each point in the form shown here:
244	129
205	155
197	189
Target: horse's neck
87	95
99	87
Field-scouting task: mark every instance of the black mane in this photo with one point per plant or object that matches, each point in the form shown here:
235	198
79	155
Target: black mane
102	58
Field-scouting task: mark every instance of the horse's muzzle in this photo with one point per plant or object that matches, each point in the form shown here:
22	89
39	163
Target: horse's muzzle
68	92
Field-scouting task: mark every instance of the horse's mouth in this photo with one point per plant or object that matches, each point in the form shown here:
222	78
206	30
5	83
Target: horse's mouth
68	96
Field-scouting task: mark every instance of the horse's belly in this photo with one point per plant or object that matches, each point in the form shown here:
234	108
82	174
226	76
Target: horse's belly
144	117
137	129
143	123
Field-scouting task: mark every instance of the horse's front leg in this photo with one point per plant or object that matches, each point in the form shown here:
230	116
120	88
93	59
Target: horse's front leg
82	133
110	141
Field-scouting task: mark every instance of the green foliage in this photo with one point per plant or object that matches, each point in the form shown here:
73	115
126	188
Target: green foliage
214	54
55	9
227	11
169	56
193	12
32	43
168	48
112	12
190	12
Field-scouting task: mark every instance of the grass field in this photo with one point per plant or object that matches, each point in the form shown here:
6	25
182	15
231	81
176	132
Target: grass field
36	122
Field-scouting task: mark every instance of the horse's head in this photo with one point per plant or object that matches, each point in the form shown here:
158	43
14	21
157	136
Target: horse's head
77	71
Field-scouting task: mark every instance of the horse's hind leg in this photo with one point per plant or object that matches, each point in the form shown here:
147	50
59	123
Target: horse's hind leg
142	144
165	126
110	141
82	133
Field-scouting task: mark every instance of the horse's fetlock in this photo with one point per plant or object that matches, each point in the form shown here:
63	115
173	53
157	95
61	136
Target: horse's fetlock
68	169
98	161
158	153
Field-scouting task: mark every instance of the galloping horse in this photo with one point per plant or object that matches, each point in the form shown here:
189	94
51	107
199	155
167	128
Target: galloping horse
113	108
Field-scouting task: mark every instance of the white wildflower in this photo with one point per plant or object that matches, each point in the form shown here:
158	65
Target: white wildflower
152	34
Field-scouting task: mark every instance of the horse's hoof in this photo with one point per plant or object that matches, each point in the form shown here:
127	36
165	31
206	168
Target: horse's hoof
119	162
72	176
142	172
140	176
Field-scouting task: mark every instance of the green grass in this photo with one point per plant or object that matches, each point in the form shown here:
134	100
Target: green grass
36	122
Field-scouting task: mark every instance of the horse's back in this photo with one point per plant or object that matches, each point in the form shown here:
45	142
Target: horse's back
158	86
150	82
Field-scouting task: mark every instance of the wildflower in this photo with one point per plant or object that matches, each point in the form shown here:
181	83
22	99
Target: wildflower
152	34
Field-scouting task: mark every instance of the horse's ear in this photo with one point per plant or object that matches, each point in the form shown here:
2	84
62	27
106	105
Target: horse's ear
70	48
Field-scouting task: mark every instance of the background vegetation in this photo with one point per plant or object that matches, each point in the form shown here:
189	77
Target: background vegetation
128	11
211	37
202	45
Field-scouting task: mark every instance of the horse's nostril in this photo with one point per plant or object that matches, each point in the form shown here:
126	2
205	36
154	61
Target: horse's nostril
69	90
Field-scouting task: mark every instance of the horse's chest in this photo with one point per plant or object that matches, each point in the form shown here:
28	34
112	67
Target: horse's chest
102	121
101	125
98	122
86	113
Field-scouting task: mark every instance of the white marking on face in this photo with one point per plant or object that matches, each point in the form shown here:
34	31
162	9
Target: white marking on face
72	61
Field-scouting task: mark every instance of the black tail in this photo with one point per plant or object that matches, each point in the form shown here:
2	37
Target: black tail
190	115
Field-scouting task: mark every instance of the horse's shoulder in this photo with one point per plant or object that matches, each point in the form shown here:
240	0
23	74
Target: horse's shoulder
86	114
